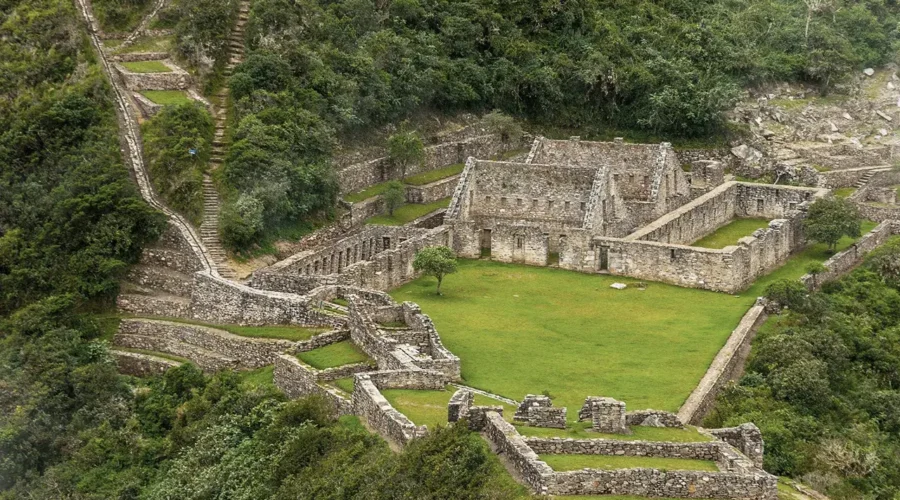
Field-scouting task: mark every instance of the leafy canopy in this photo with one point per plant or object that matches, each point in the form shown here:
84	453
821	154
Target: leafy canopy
830	219
435	261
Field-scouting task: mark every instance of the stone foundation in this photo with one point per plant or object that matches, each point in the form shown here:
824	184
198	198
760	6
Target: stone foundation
176	79
141	365
607	415
538	411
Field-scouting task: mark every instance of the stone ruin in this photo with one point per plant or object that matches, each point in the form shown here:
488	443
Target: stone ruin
607	415
538	411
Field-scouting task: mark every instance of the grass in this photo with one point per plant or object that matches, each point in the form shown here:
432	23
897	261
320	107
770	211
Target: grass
337	354
146	67
579	430
261	377
166	97
286	332
821	168
730	233
340	302
158	354
435	175
430	407
370	192
345	384
576	462
844	192
523	330
408	213
796	266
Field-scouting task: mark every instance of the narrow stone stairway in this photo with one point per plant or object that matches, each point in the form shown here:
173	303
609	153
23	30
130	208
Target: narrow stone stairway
864	179
209	230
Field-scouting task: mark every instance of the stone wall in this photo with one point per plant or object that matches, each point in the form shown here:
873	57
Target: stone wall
711	450
361	175
850	257
506	441
432	192
147	107
297	379
460	403
653	418
693	221
658	483
176	79
208	361
538	411
726	366
248	352
747	438
380	416
141	365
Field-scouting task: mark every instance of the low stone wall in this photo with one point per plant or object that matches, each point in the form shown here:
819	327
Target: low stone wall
747	438
658	483
711	450
147	107
726	366
849	258
141	365
139	56
153	305
432	192
176	79
507	441
297	380
207	360
248	352
847	177
653	418
216	300
322	340
878	213
380	416
423	380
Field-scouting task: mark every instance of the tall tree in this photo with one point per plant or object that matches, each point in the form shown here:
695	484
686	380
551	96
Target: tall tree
437	262
405	149
830	219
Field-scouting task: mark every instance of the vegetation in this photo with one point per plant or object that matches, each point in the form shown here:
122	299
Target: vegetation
201	29
436	262
177	146
435	175
730	233
337	354
394	195
405	149
167	97
146	67
429	408
408	213
120	15
821	385
575	462
579	430
830	219
844	192
546	327
504	126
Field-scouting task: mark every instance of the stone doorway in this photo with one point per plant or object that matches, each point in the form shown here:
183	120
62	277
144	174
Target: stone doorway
486	243
603	259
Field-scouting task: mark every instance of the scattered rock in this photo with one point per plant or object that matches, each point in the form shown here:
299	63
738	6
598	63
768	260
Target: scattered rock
746	153
890	86
619	286
884	115
847	116
869	71
768	134
883	132
833	127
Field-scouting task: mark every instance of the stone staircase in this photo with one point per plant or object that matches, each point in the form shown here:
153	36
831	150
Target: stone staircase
209	230
864	179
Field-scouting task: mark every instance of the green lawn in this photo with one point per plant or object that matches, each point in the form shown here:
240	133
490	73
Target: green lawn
365	194
523	330
337	354
345	384
286	332
408	213
435	175
146	67
430	407
844	192
796	266
166	97
158	354
730	233
260	377
579	430
150	44
575	462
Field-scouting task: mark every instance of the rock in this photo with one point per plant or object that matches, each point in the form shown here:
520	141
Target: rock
771	96
890	86
833	127
759	120
746	153
847	116
883	132
768	134
869	71
884	115
619	286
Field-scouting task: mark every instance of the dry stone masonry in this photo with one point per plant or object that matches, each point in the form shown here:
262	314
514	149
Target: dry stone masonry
538	411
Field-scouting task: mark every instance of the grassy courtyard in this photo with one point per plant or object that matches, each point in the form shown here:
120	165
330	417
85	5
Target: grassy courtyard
166	97
408	213
146	67
730	233
575	462
430	407
337	354
524	330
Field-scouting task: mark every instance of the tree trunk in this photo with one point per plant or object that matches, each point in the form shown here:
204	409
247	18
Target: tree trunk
440	278
808	18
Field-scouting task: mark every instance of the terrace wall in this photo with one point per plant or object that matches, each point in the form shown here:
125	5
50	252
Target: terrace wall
850	257
380	416
297	379
175	79
141	365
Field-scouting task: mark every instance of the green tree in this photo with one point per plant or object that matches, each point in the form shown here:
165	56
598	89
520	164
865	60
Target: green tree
435	261
405	149
789	293
394	196
814	269
830	219
885	260
503	125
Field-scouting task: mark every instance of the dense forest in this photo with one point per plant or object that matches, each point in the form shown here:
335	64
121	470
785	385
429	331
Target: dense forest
319	69
823	384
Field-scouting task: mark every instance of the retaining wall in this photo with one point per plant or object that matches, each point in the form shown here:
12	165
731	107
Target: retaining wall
141	365
297	379
380	416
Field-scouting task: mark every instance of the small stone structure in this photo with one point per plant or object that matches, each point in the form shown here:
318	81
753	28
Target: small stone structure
459	405
607	415
653	418
538	411
174	79
747	438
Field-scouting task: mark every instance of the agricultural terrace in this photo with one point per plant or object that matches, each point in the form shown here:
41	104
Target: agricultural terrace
525	330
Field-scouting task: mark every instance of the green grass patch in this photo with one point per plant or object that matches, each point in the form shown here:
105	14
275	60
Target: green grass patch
408	213
844	192
286	332
167	97
821	168
261	377
340	302
146	67
158	354
435	175
369	192
430	407
506	155
576	462
795	267
730	233
523	330
337	354
345	384
112	43
580	430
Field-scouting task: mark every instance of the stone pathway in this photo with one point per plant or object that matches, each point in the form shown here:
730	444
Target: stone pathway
209	230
